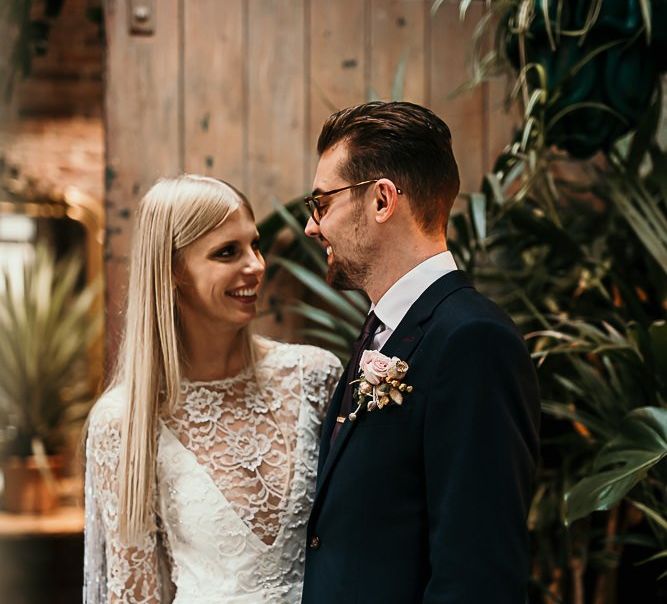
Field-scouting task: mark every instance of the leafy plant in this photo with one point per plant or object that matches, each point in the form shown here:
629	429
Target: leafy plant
332	318
46	328
575	250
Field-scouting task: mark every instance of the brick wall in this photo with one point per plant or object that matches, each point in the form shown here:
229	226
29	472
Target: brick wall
68	79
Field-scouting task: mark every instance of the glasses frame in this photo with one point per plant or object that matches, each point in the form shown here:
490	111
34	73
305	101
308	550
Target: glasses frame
312	202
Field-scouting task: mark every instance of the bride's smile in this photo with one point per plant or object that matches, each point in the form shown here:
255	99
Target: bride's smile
218	276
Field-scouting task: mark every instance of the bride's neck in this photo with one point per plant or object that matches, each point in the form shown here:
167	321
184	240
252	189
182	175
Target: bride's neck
212	356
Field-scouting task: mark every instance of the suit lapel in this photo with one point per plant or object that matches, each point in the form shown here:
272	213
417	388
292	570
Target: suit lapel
401	344
330	421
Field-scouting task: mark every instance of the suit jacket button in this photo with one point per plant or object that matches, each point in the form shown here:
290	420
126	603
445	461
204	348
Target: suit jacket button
314	542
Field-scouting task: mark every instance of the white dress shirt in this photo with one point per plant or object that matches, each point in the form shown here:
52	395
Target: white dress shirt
398	299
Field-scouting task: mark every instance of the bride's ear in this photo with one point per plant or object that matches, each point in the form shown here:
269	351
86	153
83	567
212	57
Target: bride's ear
386	200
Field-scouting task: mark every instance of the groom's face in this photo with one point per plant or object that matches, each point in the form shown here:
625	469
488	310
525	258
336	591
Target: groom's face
343	229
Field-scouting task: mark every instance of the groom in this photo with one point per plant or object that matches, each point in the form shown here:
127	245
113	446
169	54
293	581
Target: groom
425	501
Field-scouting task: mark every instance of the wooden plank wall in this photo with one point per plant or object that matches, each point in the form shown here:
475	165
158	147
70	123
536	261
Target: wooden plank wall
239	89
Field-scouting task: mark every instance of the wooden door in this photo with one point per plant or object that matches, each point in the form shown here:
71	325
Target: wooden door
239	89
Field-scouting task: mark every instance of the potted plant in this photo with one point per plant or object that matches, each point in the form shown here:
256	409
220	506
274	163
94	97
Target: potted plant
46	329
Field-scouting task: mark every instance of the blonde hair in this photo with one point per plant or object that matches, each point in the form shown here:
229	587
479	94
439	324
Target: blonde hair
174	213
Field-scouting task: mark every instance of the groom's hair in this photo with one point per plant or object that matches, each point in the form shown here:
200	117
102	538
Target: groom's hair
405	143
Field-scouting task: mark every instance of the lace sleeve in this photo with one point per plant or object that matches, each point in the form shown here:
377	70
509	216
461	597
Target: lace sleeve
322	371
113	572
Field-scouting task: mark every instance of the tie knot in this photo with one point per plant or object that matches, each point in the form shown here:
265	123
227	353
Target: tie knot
370	325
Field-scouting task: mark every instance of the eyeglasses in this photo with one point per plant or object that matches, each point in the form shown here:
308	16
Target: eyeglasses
318	210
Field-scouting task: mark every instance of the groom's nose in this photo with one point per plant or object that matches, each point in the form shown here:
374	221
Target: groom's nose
312	228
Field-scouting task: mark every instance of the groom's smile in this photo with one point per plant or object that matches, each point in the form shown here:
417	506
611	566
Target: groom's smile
341	223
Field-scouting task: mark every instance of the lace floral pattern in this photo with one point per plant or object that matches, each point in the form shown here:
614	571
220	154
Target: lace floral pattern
132	572
235	479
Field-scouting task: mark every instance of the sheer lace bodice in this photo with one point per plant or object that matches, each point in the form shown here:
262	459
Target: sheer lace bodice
246	445
235	479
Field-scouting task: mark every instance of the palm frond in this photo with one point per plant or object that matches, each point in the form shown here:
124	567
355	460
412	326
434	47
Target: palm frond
46	328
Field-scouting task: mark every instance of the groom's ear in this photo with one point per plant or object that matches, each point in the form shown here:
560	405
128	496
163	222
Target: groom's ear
386	200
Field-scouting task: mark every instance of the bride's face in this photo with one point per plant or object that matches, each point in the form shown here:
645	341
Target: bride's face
218	275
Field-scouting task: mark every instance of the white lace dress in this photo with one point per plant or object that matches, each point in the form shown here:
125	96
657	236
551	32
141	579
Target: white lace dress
236	476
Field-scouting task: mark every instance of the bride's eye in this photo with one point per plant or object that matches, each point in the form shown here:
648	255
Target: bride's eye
228	251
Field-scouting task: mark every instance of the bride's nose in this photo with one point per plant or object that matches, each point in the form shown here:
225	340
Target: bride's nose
255	263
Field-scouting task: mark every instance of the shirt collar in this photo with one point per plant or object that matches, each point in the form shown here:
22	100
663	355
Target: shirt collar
398	299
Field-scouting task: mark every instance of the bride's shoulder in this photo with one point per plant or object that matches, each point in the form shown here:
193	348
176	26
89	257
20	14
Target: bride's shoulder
104	425
108	409
312	359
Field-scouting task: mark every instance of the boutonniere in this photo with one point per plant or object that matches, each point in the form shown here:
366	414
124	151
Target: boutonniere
380	382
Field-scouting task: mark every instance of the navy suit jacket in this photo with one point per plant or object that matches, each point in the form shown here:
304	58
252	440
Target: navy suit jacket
427	502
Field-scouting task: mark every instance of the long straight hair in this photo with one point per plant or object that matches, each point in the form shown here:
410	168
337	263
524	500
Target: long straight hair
174	213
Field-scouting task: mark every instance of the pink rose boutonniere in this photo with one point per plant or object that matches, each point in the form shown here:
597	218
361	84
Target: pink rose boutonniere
380	381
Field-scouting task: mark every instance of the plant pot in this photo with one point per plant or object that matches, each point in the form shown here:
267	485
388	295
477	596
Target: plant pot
26	490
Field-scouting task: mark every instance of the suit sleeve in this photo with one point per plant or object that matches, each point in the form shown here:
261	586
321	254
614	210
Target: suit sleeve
480	450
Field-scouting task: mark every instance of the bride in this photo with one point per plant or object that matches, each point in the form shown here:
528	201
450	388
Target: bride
202	455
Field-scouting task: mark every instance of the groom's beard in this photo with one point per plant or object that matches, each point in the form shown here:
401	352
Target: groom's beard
346	274
353	272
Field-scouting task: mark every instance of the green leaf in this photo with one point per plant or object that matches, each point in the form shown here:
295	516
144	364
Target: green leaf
658	337
659	171
645	6
601	491
357	299
640	444
528	127
661	521
313	251
326	336
579	65
563	411
494	184
269	230
536	97
320	287
464	5
516	171
642	214
326	319
658	556
544	5
478	210
436	5
644	134
585	105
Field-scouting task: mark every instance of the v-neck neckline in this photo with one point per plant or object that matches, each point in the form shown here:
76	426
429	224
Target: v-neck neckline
258	540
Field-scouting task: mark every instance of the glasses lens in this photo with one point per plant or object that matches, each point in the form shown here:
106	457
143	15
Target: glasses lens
312	208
